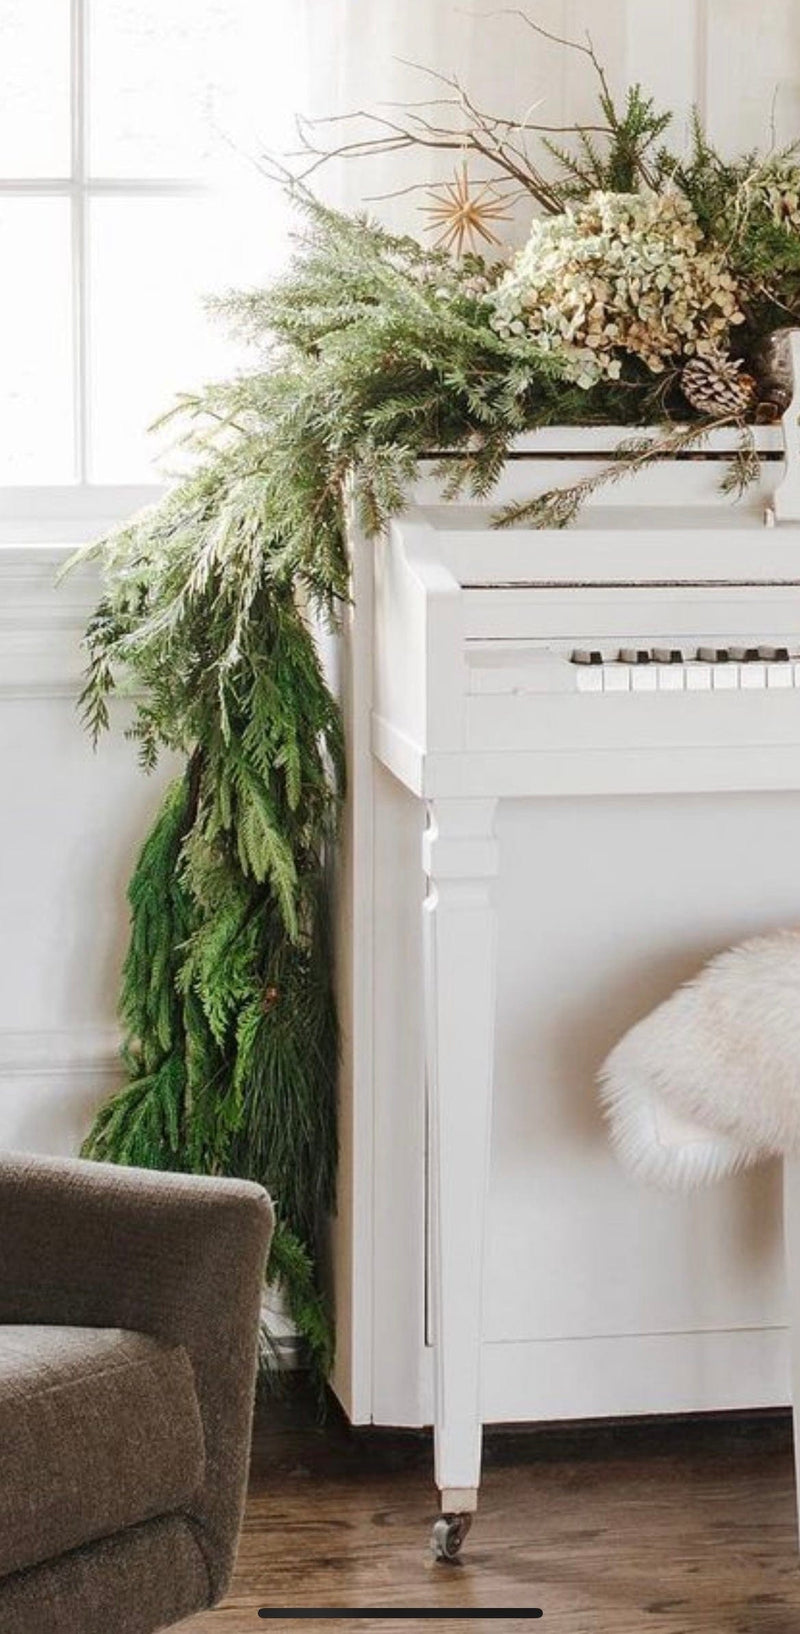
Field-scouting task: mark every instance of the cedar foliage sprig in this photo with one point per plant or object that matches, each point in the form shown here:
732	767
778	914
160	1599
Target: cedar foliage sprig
227	1000
627	157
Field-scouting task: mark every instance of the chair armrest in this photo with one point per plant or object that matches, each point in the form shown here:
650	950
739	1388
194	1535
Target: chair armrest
181	1257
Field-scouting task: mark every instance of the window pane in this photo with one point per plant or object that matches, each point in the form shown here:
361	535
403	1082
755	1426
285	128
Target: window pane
152	262
175	82
34	88
36	411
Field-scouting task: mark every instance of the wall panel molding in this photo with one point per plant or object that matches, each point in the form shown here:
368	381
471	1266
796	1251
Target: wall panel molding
42	622
51	1084
67	1051
71	824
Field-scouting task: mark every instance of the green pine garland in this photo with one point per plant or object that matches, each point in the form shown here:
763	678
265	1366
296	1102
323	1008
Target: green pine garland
227	1000
369	353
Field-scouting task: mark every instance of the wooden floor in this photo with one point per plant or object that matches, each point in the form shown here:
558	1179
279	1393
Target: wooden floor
676	1527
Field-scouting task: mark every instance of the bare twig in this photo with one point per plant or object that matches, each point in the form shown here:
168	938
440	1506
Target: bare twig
452	122
425	187
487	135
586	50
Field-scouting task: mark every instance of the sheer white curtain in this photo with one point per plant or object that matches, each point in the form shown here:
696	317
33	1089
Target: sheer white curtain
737	61
359	56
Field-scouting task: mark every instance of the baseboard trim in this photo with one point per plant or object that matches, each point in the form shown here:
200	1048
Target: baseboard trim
608	1377
635	1374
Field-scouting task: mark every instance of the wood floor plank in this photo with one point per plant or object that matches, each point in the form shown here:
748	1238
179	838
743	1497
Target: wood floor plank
679	1528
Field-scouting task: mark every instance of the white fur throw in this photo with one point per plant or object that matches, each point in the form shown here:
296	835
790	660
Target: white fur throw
710	1081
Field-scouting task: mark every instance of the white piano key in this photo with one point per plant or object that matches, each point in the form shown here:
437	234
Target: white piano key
753	677
698	677
795	667
616	677
779	675
643	677
725	677
589	677
670	677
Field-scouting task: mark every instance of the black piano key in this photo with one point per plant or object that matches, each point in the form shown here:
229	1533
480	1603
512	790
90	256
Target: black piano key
680	655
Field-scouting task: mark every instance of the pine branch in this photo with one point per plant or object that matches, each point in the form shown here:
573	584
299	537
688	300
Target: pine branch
558	507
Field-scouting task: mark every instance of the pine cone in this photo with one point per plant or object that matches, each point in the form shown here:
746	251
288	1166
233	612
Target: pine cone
714	385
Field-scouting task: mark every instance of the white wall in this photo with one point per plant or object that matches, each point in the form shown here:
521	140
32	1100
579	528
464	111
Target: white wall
70	825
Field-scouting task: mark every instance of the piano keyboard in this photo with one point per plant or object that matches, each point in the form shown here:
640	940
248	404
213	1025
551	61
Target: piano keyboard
678	669
559	667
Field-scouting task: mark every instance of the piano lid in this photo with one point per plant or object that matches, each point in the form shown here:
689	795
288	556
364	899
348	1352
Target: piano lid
570	442
681	548
476	517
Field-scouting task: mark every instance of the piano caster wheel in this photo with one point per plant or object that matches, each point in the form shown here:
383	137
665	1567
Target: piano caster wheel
448	1534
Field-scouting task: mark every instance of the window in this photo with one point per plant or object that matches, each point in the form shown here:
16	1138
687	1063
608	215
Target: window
127	193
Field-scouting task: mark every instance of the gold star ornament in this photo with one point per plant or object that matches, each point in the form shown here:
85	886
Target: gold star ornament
461	216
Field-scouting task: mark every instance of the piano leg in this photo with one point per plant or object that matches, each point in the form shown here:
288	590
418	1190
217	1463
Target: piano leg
460	859
791	1237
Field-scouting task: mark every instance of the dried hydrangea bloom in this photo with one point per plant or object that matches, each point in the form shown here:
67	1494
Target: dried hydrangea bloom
779	187
624	273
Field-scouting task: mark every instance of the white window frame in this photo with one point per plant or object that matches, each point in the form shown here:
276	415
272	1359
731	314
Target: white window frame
79	509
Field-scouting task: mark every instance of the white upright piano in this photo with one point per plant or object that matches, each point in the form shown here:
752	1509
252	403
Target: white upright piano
575	775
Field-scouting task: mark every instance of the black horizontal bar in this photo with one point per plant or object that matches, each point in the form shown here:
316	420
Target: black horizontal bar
398	1613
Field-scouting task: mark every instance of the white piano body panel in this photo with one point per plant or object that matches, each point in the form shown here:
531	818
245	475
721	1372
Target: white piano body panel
617	836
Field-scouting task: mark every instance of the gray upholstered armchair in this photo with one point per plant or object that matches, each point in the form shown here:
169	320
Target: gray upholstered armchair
129	1307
